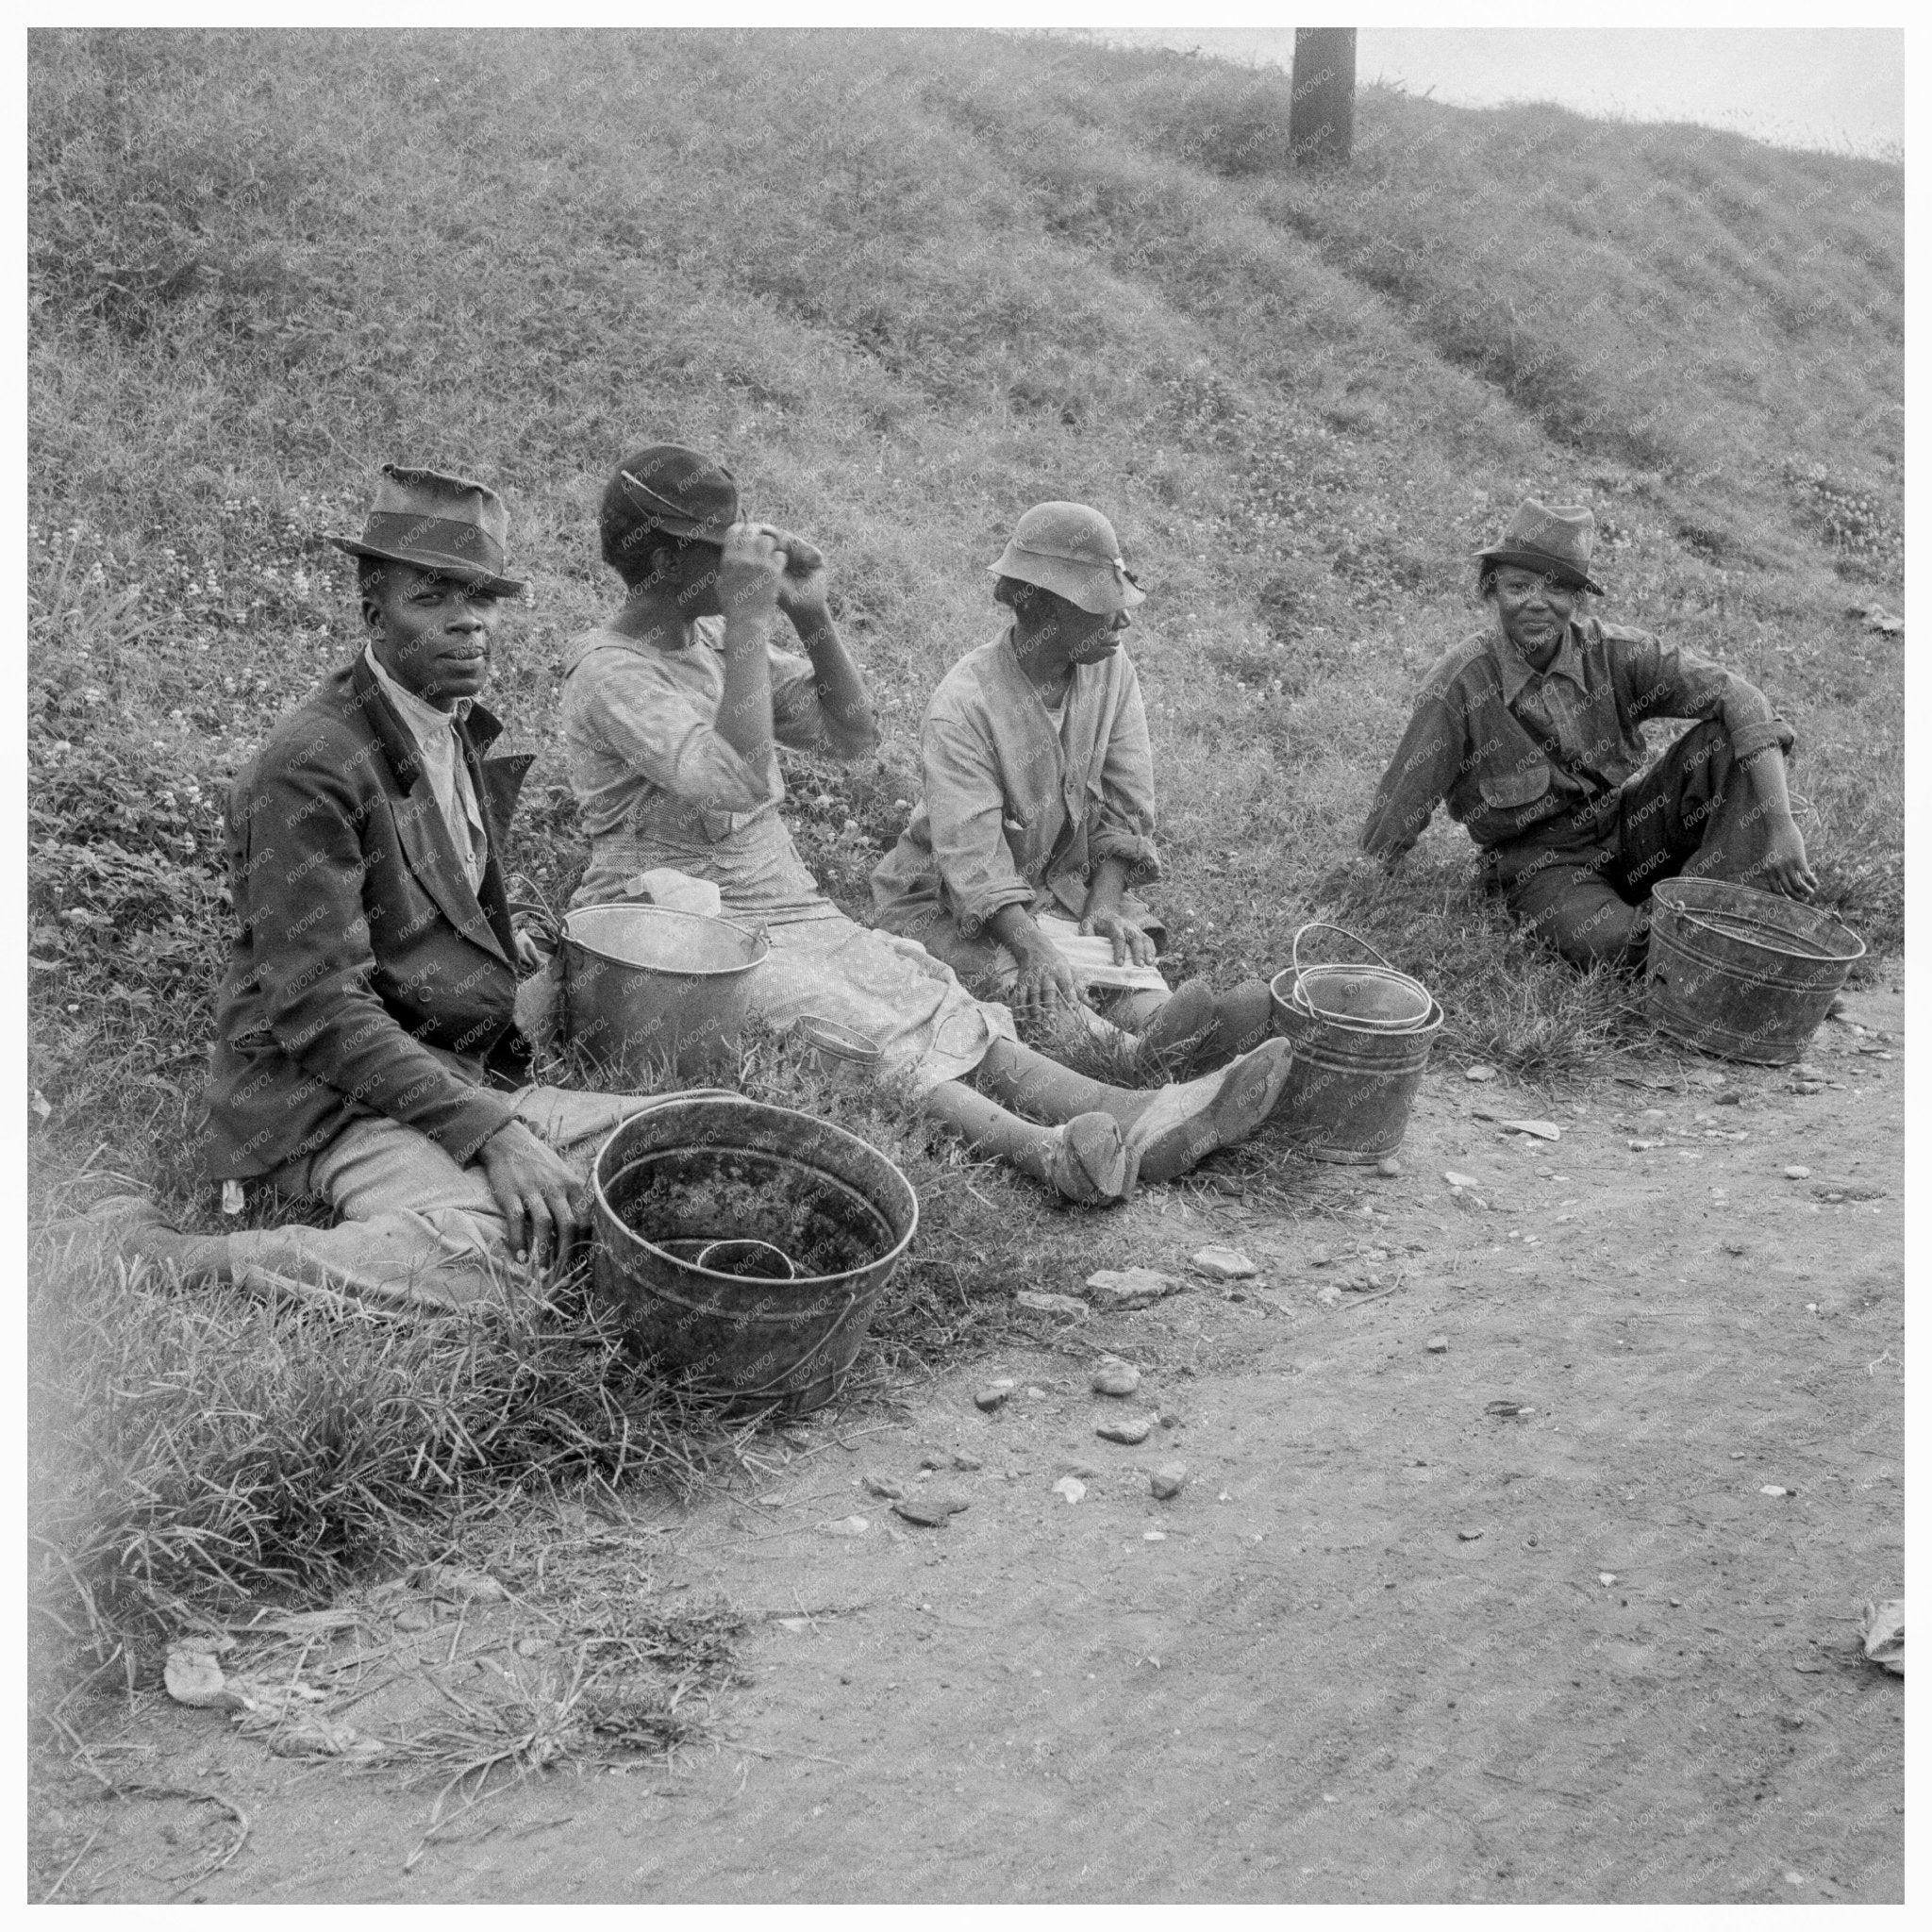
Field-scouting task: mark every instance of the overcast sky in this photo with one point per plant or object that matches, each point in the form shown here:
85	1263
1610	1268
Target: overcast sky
1811	87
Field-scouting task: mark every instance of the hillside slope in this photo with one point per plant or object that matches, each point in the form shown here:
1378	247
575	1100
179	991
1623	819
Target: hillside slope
906	286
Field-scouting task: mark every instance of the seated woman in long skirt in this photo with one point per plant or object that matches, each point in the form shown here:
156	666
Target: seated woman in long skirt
671	709
1037	812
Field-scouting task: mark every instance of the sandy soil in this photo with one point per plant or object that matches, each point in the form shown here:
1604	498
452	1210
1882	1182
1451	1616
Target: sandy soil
1387	1644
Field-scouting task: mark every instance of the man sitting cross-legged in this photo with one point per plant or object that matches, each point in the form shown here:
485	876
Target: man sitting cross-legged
366	1049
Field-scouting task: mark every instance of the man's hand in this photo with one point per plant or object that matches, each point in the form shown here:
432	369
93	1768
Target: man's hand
530	955
1129	941
749	571
1785	867
803	588
540	1199
1045	979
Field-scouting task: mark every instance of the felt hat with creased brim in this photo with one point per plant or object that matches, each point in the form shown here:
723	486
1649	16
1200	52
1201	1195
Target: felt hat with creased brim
1554	540
448	525
680	491
1071	550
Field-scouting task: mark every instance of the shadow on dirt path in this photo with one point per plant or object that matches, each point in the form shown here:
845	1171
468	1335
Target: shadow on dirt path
1514	1620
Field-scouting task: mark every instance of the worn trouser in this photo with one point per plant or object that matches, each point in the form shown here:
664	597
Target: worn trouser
414	1227
1693	812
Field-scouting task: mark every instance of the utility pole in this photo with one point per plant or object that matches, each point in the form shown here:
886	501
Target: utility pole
1320	116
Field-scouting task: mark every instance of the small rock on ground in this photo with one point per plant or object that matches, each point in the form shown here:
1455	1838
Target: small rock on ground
929	1511
1116	1378
1478	1072
890	1487
1389	1168
1169	1480
1124	1428
1071	1488
1437	1344
1222	1264
1797	1174
961	1460
993	1400
1045	1303
1329	1294
846	1525
1120	1290
1459	1180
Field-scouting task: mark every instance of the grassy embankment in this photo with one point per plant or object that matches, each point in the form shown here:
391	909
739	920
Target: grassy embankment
905	287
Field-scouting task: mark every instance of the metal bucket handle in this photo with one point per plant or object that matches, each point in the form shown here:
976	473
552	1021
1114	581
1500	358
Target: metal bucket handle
1295	960
1797	947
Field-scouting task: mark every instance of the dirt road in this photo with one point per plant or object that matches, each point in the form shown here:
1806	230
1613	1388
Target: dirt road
1391	1642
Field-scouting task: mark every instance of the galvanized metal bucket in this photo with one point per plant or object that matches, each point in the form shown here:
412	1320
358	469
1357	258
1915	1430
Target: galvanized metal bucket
1742	974
650	992
703	1201
1360	1055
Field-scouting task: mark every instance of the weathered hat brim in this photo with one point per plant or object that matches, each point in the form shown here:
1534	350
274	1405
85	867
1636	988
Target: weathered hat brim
442	566
1545	565
1095	587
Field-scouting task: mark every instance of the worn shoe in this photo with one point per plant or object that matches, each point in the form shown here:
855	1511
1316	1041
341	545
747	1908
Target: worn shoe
1089	1160
1184	1023
1188	1122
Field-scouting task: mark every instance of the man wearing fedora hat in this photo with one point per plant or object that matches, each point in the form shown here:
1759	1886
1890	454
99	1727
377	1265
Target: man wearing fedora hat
1530	730
1037	815
366	1050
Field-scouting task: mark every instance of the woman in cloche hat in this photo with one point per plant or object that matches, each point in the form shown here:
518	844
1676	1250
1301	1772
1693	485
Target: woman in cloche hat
671	709
1037	814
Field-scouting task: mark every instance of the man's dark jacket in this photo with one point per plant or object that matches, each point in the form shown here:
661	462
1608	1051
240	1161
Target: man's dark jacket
362	944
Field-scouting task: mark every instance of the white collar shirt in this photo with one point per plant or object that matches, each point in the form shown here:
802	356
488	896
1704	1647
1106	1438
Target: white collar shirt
435	732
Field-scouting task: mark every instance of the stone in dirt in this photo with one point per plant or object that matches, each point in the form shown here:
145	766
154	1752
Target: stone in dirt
890	1487
1320	1256
466	1585
1222	1264
1115	1378
1543	1131
1125	1428
1045	1303
961	1460
1469	1536
1169	1480
929	1512
1478	1072
1437	1344
991	1400
1459	1180
1884	1632
1119	1291
846	1525
1797	1174
1329	1294
1389	1168
1071	1488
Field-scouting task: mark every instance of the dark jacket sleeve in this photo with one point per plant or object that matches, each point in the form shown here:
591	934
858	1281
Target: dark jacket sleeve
302	842
1426	765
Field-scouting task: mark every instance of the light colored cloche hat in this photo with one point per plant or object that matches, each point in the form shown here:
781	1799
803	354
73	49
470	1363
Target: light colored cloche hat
442	523
1555	539
1071	550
